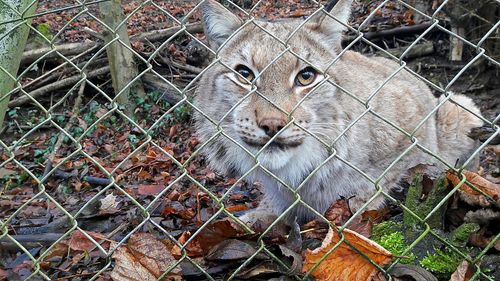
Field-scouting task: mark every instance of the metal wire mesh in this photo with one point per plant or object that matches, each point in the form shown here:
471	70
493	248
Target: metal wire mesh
84	63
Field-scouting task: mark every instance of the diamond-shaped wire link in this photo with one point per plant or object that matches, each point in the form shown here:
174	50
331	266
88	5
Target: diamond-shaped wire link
103	116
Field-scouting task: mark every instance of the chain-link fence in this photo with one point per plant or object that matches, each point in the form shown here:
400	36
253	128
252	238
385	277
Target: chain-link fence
91	159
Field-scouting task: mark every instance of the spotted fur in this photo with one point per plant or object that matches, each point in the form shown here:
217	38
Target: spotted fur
364	144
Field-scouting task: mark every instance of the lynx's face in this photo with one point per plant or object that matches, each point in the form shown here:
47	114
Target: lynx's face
273	99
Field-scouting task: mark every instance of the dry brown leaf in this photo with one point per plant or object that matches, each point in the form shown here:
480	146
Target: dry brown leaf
3	275
344	263
193	249
127	267
472	196
210	236
80	242
143	258
150	189
109	203
339	212
463	273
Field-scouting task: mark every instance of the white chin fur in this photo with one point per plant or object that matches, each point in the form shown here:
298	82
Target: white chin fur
277	159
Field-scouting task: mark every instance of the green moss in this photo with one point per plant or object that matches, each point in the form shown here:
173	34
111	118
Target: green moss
441	262
396	244
461	234
388	235
421	208
384	228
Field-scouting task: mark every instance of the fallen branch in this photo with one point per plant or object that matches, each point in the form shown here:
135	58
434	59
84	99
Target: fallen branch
65	50
90	179
30	240
185	67
56	86
163	34
170	94
416	51
35	240
69	49
94	33
403	30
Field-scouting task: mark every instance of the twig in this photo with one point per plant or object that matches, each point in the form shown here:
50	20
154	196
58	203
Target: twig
56	86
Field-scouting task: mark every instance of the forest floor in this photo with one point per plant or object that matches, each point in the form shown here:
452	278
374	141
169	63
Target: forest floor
39	214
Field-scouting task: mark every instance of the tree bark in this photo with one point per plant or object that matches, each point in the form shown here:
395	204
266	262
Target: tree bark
121	59
13	37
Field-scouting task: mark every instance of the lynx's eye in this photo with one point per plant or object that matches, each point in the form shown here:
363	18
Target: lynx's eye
306	76
245	72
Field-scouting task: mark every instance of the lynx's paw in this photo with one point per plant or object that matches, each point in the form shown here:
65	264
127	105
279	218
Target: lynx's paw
258	218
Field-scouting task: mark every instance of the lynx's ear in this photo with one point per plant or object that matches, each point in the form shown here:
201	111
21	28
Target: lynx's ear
218	22
332	25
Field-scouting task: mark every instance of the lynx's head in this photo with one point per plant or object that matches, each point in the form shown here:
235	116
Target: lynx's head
269	90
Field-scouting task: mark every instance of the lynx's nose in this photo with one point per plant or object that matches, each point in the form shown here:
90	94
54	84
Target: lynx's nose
272	125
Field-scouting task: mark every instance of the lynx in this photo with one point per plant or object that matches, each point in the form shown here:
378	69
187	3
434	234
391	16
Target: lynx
285	106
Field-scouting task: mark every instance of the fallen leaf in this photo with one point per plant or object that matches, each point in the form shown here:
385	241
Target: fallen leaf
144	258
231	249
3	275
193	249
109	204
59	250
297	261
6	172
127	267
339	212
265	268
177	209
482	240
463	273
344	263
411	272
211	235
237	208
80	242
470	195
150	189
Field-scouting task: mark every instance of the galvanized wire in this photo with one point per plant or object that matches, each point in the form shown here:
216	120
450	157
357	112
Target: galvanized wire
10	26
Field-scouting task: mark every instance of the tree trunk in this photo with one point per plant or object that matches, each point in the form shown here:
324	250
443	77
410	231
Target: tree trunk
13	37
121	59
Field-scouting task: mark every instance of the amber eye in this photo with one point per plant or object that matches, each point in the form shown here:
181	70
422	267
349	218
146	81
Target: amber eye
244	72
306	76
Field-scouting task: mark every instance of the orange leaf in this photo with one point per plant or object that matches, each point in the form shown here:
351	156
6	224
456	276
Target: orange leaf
193	249
471	195
237	208
150	189
144	175
344	263
80	242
